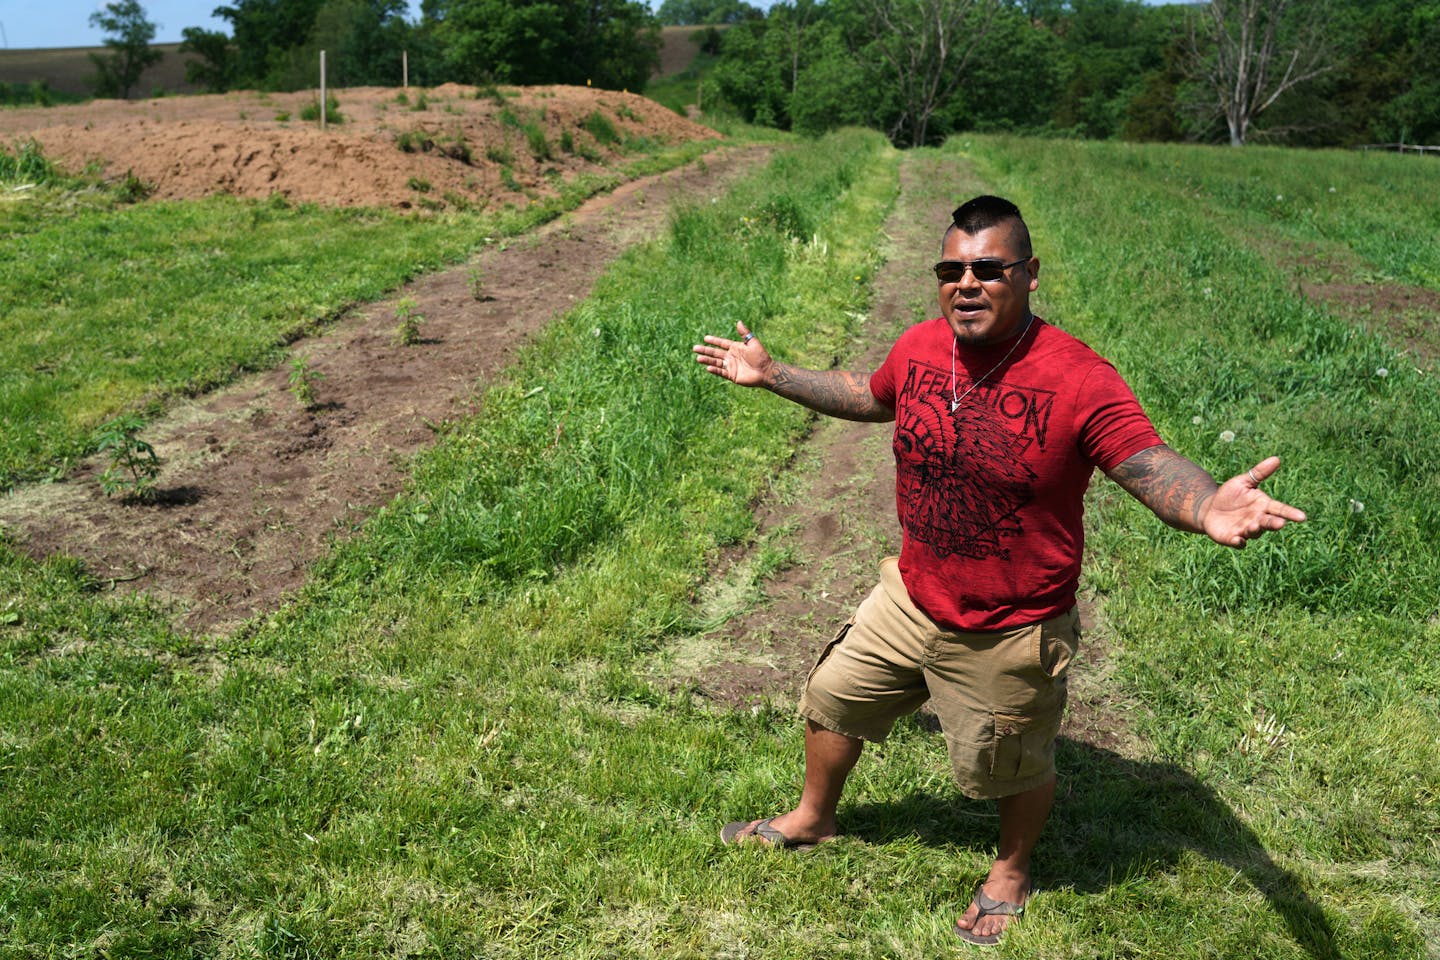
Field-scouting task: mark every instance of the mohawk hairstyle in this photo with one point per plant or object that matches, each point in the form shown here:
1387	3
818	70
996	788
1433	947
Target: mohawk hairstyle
984	212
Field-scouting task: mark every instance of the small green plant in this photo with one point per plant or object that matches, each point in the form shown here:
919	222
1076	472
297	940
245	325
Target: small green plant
536	140
567	141
418	184
302	381
407	332
282	117
415	141
497	153
402	98
475	280
421	103
26	164
600	127
507	177
133	465
456	148
131	189
311	111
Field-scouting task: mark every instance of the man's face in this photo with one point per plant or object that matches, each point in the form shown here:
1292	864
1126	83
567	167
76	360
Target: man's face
981	312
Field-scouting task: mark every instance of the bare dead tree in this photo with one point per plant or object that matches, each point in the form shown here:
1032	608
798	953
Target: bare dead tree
928	44
1250	52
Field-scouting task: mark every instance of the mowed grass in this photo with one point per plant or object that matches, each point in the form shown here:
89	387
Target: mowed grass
107	307
467	736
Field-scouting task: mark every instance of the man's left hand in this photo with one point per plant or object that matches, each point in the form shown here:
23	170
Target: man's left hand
1241	511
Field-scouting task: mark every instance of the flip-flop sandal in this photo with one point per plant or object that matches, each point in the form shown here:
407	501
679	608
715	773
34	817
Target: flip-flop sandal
762	832
989	907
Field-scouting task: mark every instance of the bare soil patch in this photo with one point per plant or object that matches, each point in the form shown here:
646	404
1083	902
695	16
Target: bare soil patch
467	147
254	485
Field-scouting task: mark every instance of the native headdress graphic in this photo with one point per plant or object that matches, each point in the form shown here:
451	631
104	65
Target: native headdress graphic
961	474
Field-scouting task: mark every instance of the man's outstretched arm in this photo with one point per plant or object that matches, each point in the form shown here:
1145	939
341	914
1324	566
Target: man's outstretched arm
1186	497
836	393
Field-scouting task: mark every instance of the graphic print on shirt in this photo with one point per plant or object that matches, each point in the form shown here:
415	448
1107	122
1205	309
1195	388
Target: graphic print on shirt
961	476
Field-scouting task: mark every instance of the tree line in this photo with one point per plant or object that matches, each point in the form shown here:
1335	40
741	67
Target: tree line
1304	72
275	44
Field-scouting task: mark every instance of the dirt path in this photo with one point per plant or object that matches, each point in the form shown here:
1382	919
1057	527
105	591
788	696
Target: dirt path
254	485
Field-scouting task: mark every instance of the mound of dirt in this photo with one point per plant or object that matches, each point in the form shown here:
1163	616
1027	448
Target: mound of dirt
451	146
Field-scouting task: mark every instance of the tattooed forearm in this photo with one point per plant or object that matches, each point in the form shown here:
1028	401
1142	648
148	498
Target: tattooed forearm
837	393
1170	485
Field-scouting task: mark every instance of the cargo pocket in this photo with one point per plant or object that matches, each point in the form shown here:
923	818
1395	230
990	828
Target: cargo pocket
1059	640
1022	747
834	642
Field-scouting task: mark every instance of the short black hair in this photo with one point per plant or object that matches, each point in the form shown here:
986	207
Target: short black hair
984	212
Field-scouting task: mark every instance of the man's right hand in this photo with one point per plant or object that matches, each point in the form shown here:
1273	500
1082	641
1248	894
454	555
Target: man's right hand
742	361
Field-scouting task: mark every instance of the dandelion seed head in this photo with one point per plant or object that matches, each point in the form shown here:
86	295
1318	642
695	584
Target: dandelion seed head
1356	506
1227	435
1197	419
1381	372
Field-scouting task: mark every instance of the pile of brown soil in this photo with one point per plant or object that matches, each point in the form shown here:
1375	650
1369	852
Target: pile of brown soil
448	146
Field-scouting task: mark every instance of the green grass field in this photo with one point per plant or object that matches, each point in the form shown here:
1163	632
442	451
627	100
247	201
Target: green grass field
466	738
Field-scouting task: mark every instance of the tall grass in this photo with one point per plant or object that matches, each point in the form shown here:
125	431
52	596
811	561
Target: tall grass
107	308
1297	676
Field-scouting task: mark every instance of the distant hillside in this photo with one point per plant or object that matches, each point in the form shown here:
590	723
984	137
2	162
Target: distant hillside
68	69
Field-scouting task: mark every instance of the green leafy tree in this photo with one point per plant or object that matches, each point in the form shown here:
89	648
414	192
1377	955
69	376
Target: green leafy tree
128	35
212	63
264	32
363	41
608	43
753	71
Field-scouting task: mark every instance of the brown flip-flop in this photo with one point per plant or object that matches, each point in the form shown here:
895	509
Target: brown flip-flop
762	832
990	907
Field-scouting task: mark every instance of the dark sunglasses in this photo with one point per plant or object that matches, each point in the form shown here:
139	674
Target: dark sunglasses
953	271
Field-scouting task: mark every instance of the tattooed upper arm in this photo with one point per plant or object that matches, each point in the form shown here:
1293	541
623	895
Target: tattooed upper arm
1173	487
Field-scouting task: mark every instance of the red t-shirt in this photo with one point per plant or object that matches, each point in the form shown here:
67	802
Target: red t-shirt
990	495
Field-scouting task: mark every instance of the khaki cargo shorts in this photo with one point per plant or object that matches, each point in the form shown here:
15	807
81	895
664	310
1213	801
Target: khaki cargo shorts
999	695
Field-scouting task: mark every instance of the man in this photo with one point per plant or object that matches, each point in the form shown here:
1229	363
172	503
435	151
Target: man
1000	420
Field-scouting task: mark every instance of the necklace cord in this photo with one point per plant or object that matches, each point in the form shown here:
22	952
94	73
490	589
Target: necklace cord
955	401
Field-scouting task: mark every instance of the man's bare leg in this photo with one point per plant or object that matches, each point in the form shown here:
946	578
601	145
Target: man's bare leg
1022	817
829	758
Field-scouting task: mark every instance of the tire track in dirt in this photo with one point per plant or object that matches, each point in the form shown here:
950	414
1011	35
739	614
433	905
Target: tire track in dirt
254	485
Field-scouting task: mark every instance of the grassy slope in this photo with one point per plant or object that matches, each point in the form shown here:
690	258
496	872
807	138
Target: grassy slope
463	739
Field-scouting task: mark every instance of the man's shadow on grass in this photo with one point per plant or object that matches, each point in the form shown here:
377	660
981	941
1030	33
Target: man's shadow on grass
1115	817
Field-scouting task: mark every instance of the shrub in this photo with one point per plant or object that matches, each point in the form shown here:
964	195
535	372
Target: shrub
535	139
311	111
600	127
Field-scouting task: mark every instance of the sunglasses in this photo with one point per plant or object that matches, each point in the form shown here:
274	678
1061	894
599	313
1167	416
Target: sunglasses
953	271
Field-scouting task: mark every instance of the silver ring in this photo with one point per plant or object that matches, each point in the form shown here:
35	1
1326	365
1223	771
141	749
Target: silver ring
747	338
1253	478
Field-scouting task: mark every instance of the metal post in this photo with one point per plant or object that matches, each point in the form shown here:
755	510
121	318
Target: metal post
322	89
405	68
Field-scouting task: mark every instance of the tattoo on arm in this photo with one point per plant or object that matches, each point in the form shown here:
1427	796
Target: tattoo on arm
1173	487
837	393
